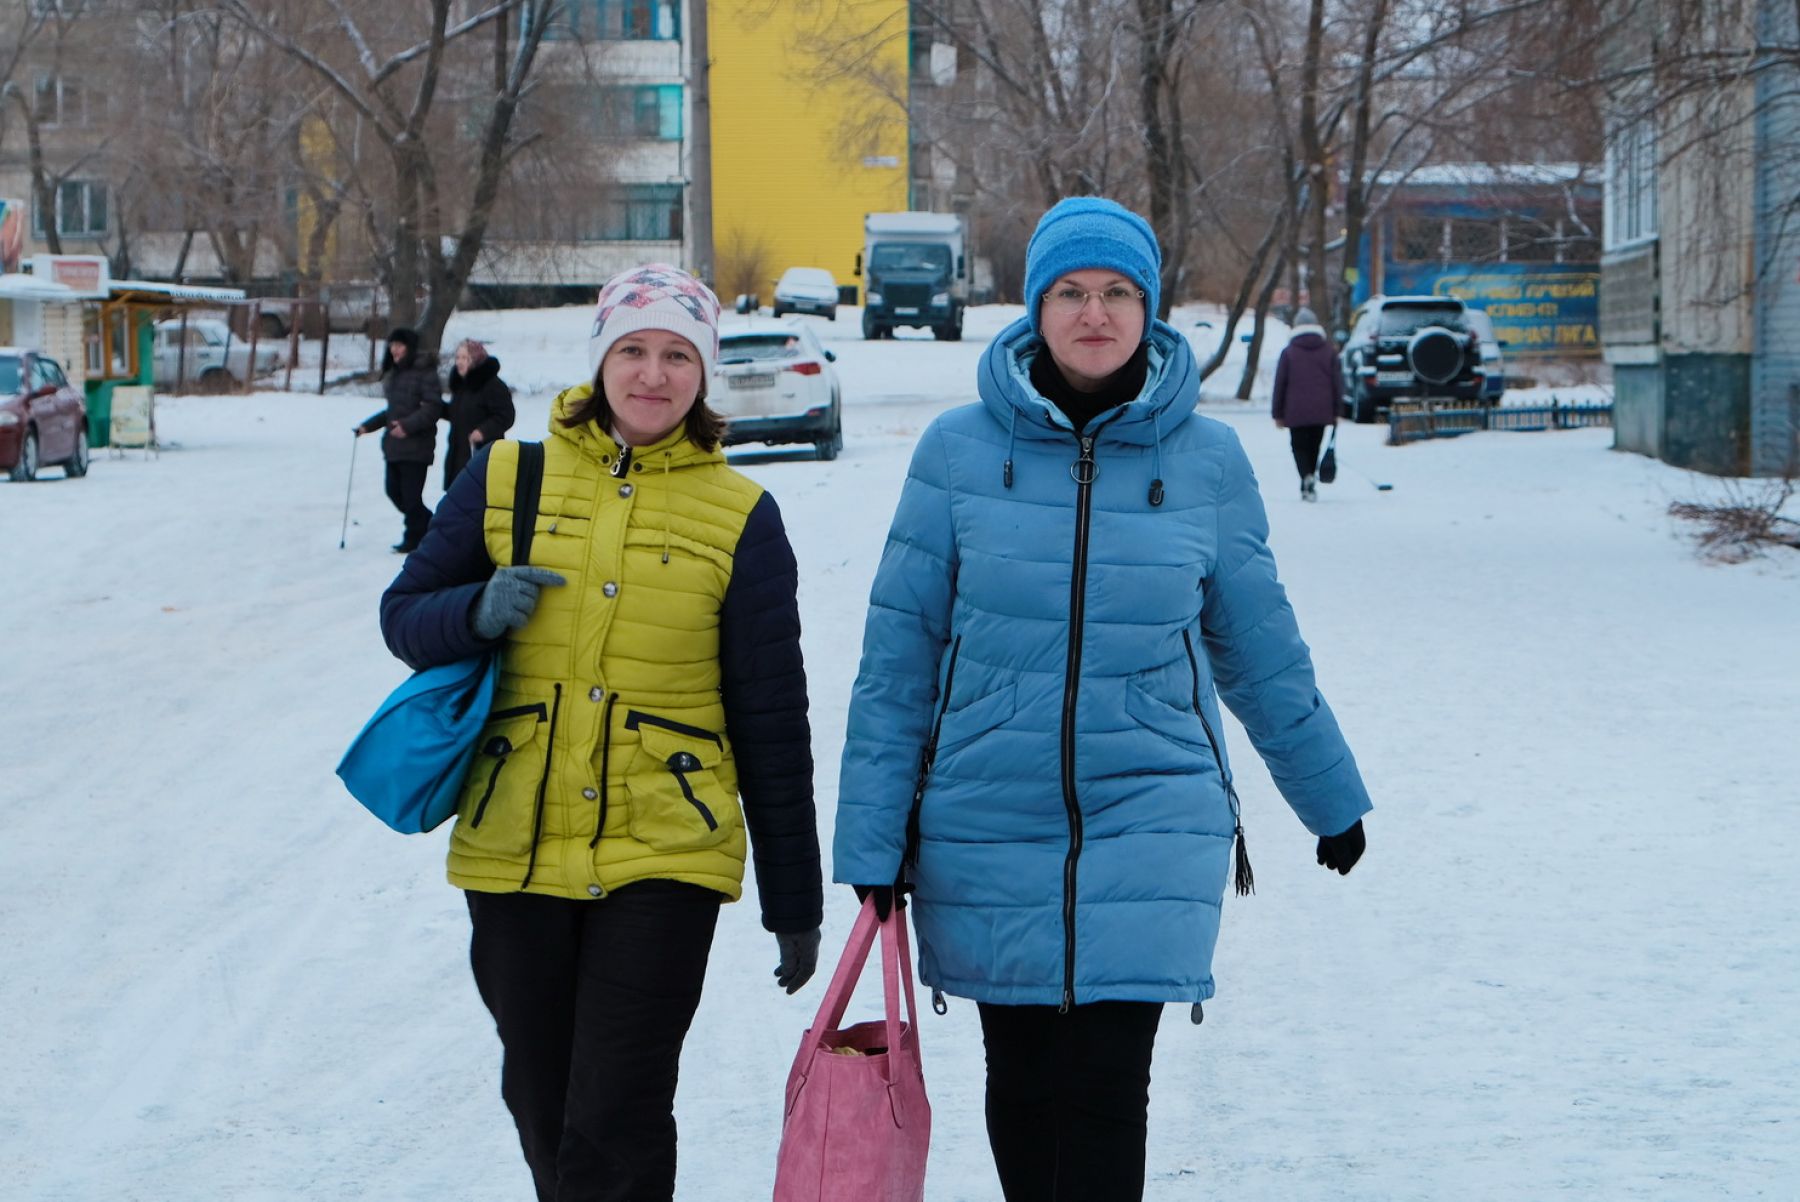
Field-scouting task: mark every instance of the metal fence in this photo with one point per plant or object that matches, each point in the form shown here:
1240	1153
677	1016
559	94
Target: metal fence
1412	421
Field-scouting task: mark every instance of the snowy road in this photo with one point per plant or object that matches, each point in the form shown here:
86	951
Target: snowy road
1561	971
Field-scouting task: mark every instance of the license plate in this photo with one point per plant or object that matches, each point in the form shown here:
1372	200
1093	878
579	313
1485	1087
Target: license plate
1394	377
745	382
910	311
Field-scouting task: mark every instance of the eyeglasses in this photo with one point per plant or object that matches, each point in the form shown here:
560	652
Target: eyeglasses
1070	301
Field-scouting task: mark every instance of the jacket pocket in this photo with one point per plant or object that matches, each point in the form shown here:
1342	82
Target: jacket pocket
500	792
1177	724
676	801
969	722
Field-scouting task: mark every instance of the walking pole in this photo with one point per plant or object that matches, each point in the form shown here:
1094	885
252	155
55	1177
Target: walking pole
356	438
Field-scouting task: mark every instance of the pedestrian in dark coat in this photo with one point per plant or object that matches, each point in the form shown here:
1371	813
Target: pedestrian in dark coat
415	403
1309	389
1077	571
481	406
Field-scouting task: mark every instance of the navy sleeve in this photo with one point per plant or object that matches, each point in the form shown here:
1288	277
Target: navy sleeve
764	683
425	611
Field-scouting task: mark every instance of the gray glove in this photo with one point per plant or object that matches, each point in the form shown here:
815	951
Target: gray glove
799	958
508	598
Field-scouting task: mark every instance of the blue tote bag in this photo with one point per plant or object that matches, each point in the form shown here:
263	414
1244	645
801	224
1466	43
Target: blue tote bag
407	763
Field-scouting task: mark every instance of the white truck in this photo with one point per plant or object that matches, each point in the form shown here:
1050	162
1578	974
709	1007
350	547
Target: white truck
915	270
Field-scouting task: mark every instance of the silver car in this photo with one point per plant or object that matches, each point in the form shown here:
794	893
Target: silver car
215	359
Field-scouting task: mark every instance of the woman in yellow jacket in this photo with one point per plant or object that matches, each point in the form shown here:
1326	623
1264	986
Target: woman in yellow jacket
650	677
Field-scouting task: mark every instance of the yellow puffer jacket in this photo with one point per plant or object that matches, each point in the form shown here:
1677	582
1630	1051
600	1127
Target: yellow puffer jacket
606	760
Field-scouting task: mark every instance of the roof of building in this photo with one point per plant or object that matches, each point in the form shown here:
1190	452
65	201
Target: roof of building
1477	175
16	285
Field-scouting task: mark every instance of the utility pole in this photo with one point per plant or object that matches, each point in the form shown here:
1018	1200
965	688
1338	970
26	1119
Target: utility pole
700	188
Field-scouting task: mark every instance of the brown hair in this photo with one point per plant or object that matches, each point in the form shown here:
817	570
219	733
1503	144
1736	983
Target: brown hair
705	427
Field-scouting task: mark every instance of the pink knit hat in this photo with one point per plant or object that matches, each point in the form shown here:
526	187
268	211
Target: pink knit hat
656	296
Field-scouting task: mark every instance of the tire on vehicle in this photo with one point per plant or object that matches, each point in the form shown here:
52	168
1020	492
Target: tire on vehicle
25	470
76	465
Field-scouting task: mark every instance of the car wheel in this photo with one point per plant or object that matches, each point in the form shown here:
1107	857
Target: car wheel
215	381
831	315
871	331
272	326
779	312
1362	407
952	332
26	468
76	465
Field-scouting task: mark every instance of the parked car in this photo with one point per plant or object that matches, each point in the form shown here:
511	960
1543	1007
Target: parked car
1410	346
1493	367
43	417
775	384
216	359
806	290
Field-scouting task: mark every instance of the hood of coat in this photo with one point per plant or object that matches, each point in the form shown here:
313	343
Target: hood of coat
478	376
672	450
1171	389
407	338
1306	337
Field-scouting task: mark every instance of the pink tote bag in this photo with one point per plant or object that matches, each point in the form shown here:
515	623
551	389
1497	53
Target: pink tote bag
857	1126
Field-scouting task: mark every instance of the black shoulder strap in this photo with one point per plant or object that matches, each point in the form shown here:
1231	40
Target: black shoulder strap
528	486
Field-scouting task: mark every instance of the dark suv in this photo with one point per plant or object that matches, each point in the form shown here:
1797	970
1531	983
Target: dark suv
1410	346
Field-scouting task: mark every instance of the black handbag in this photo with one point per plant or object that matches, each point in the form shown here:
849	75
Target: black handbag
1328	461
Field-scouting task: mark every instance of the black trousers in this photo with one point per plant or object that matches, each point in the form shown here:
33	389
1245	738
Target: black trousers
1306	441
1068	1099
406	489
593	1000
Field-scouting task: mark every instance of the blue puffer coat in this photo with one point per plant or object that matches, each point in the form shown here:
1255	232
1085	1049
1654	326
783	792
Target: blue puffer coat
1049	651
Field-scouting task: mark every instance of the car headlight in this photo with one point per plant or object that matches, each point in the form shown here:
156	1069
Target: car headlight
940	298
874	298
9	419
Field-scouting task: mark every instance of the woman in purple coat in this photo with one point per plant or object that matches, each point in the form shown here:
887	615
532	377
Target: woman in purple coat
1309	388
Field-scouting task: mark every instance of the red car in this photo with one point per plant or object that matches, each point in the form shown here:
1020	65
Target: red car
43	417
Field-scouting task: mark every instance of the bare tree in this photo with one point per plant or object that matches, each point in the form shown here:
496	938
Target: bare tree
393	90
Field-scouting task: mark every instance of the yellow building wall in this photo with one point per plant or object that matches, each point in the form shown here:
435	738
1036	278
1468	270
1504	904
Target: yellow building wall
798	159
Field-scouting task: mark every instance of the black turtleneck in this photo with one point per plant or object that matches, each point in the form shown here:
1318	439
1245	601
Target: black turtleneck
1080	407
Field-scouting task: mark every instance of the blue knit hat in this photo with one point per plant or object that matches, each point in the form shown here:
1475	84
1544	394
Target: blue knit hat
1087	232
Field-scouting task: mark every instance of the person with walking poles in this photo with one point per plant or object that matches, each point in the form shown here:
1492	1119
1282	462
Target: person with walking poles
1309	392
409	430
481	406
648	734
1077	570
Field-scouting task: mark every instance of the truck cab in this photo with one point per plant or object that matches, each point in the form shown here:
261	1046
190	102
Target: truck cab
915	270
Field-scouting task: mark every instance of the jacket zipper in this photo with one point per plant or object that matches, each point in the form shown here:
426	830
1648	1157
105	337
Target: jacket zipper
1084	469
623	465
605	765
1246	880
537	820
487	794
927	759
687	791
636	718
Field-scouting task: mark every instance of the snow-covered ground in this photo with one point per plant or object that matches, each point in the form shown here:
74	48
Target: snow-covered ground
1562	969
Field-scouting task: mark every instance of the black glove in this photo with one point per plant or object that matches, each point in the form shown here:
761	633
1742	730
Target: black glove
799	958
888	898
1342	851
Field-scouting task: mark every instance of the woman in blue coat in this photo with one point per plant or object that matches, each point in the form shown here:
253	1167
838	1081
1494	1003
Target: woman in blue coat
1078	569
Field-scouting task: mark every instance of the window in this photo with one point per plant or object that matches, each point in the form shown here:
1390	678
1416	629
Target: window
59	101
641	112
80	210
1474	240
636	213
616	20
1418	239
1631	182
